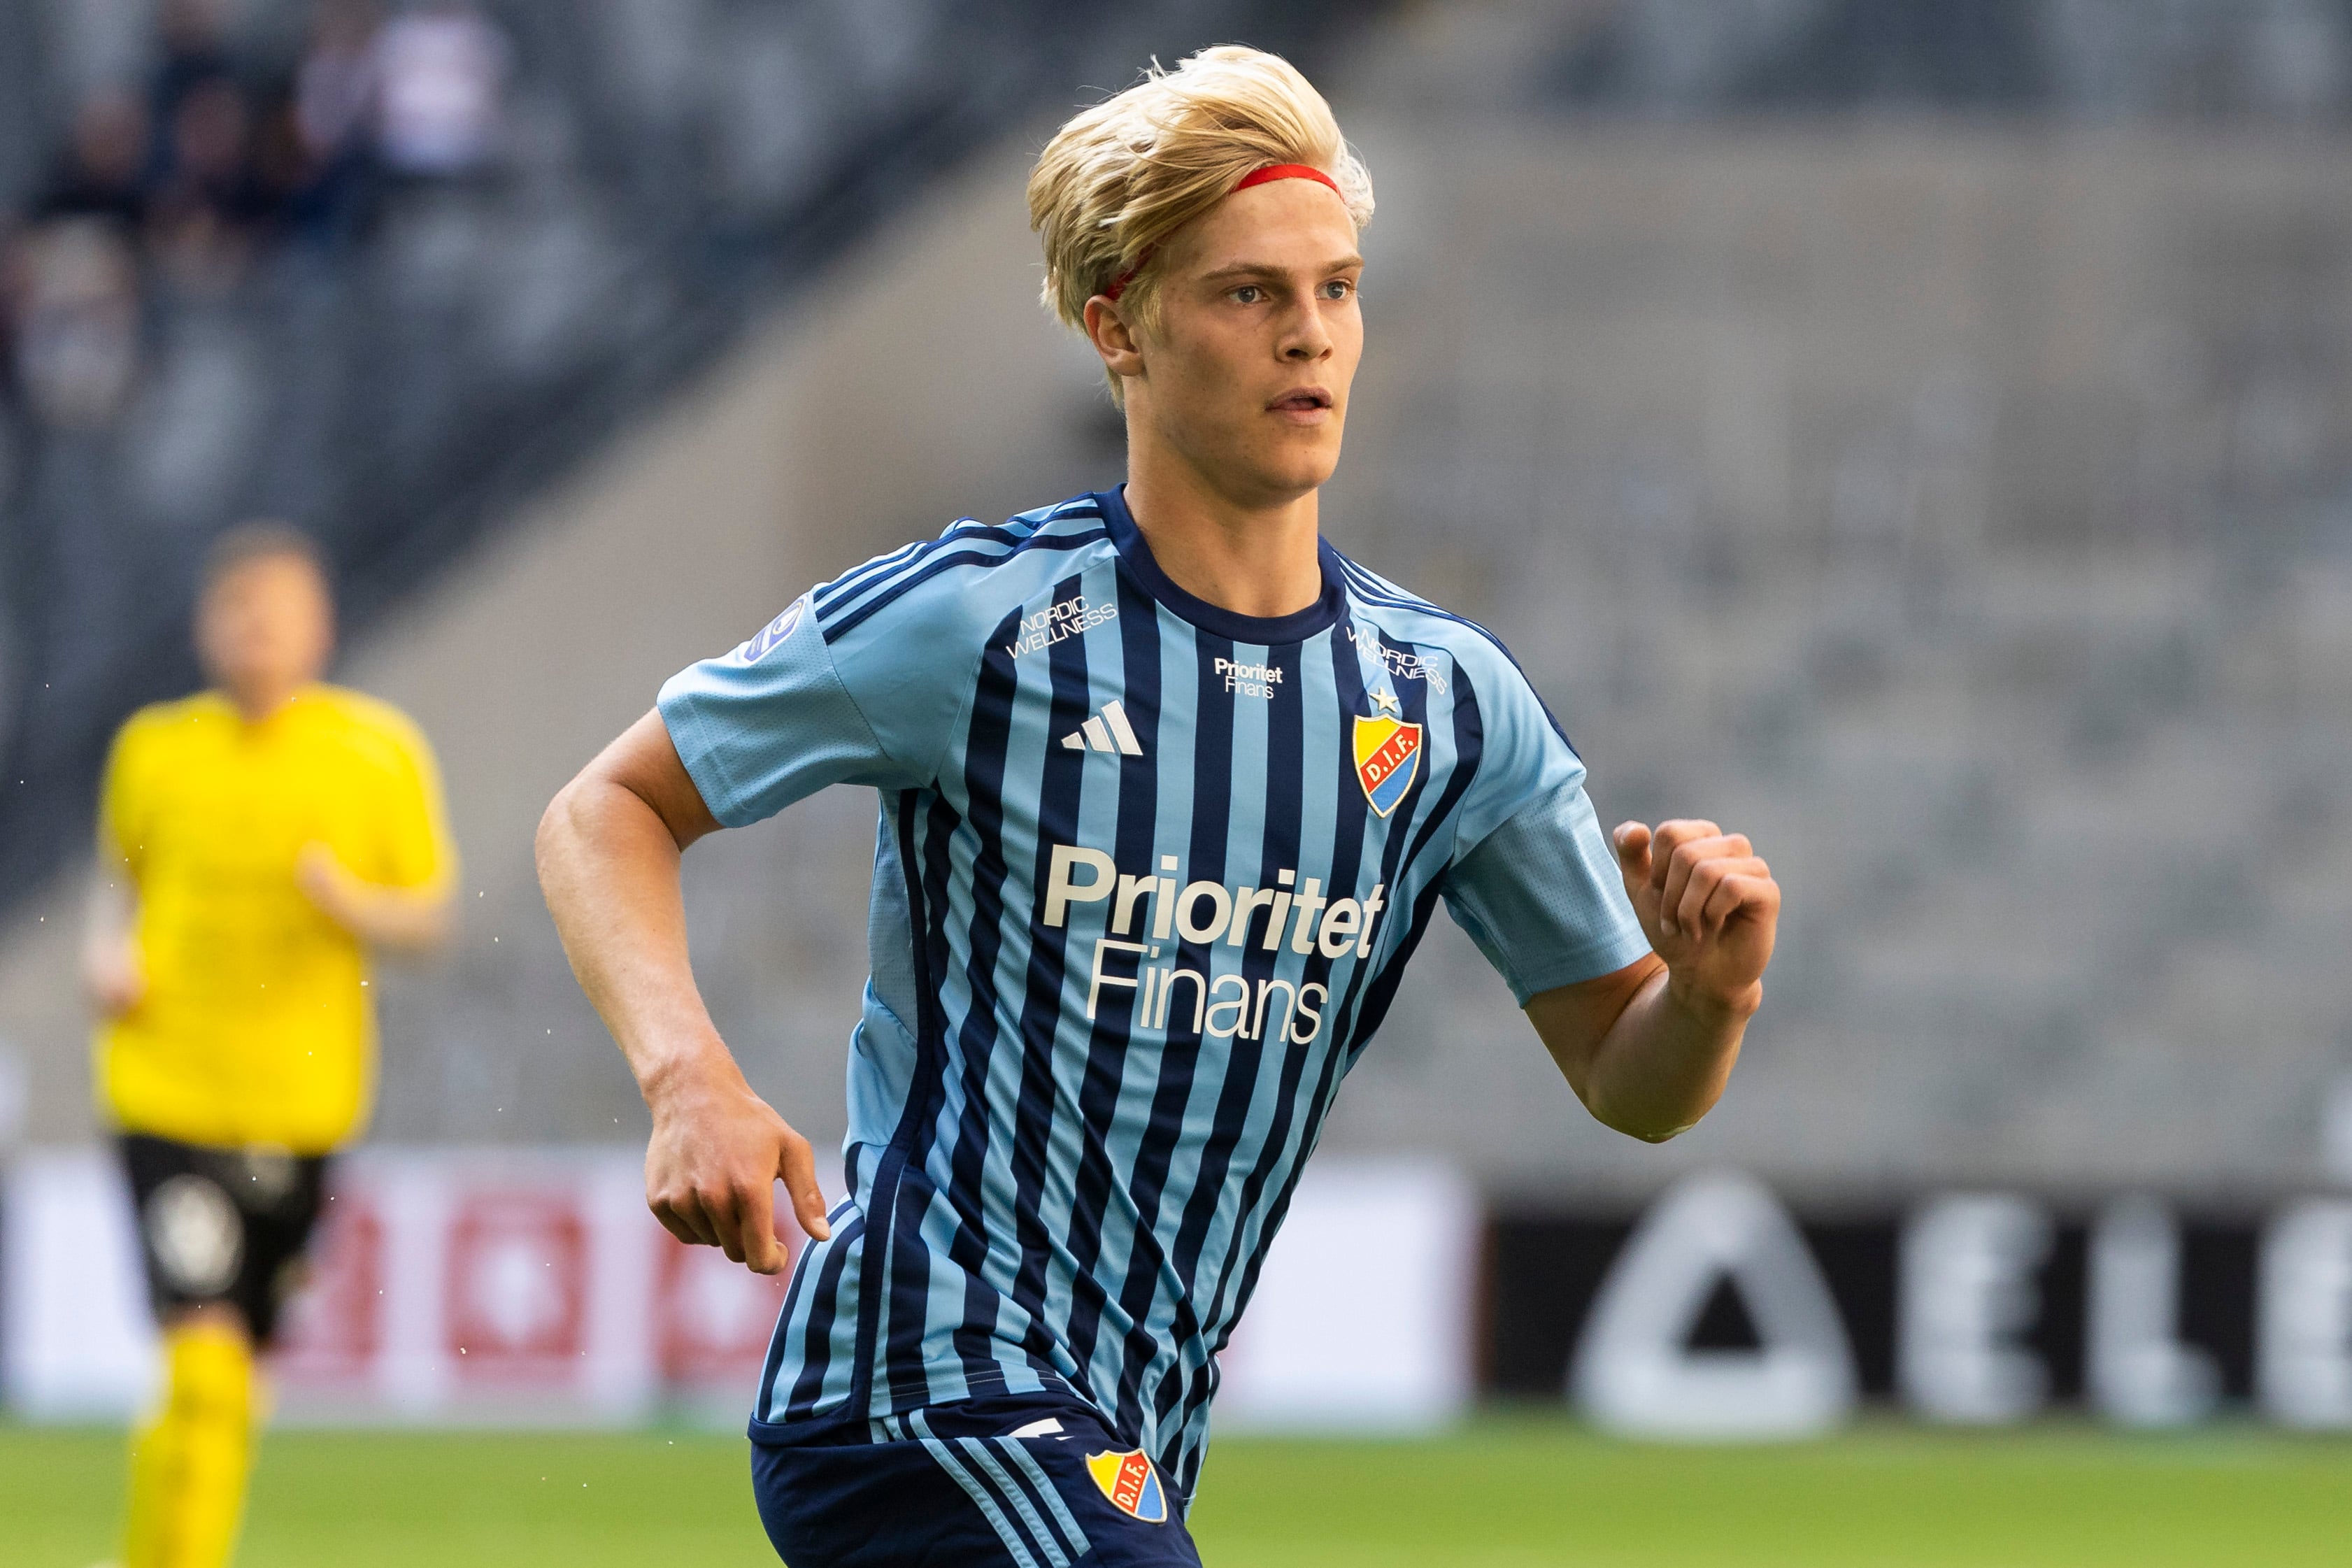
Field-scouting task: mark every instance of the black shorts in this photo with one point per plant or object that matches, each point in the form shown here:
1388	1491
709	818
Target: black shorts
223	1224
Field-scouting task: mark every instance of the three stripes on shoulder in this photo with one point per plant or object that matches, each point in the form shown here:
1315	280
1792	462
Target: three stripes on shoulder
1107	731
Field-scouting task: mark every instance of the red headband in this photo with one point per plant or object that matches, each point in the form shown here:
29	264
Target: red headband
1271	173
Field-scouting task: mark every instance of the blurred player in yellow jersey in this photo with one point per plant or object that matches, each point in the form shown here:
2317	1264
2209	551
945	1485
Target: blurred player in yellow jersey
255	842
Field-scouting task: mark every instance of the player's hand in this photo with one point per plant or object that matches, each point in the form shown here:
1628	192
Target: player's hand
114	977
717	1153
325	883
1708	905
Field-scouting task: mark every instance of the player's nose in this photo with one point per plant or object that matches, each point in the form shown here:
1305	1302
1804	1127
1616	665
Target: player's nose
1308	343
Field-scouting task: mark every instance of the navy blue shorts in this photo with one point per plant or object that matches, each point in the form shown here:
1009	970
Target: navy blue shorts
1032	1480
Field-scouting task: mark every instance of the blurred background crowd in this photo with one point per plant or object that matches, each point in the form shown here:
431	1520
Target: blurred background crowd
204	185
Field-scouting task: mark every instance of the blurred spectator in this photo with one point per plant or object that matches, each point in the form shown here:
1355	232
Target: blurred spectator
204	213
335	86
319	155
101	173
443	73
75	304
194	54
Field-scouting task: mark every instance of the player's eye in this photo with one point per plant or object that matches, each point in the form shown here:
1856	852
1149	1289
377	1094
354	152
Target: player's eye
1249	294
1338	289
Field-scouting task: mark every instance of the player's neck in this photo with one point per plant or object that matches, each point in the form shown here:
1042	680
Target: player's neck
260	704
1258	560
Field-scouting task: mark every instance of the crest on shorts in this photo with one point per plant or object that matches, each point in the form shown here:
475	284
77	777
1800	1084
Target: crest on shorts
1388	759
1131	1484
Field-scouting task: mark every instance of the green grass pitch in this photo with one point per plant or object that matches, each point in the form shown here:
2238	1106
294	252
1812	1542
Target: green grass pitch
1505	1492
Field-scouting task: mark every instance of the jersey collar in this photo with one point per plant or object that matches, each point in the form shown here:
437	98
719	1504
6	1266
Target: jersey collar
1266	631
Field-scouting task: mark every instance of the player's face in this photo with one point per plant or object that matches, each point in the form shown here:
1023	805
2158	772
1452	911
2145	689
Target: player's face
264	628
1258	337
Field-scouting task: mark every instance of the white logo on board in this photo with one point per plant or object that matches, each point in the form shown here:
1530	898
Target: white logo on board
1634	1373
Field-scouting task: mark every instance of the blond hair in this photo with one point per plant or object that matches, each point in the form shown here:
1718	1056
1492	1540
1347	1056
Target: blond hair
1122	176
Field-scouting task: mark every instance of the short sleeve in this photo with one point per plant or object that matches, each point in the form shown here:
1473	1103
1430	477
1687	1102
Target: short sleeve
412	827
773	722
1534	881
1541	896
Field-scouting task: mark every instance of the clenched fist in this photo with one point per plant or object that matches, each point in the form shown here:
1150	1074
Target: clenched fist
1708	905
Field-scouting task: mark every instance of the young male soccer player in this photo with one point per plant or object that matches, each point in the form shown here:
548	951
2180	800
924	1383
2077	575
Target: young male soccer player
255	840
1169	790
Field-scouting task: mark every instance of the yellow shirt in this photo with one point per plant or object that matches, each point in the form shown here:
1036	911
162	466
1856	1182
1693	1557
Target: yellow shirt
256	1026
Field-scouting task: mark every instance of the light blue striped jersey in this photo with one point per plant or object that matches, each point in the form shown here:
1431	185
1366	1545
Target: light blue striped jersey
1146	877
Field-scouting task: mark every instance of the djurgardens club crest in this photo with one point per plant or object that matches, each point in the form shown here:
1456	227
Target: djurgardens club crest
1388	757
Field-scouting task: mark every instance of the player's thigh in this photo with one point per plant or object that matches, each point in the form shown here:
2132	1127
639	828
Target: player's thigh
875	1505
221	1226
191	1235
281	1196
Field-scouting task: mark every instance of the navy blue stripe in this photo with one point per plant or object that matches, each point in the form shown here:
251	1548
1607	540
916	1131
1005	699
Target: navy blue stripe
830	593
1469	744
924	569
904	1307
849	584
987	740
927	908
1286	772
1138	809
1060	790
816	1354
1205	860
1370	589
834	595
837	594
1412	695
776	1342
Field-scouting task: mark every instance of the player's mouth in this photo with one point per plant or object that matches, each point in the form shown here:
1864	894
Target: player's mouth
1302	405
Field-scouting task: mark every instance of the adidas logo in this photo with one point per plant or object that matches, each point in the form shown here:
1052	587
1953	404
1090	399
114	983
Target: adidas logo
1107	731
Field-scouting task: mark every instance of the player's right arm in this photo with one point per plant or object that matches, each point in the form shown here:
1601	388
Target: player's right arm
111	970
609	847
865	699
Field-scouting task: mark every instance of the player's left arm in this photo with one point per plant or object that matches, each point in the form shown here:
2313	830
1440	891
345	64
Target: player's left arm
1649	1048
382	914
403	897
